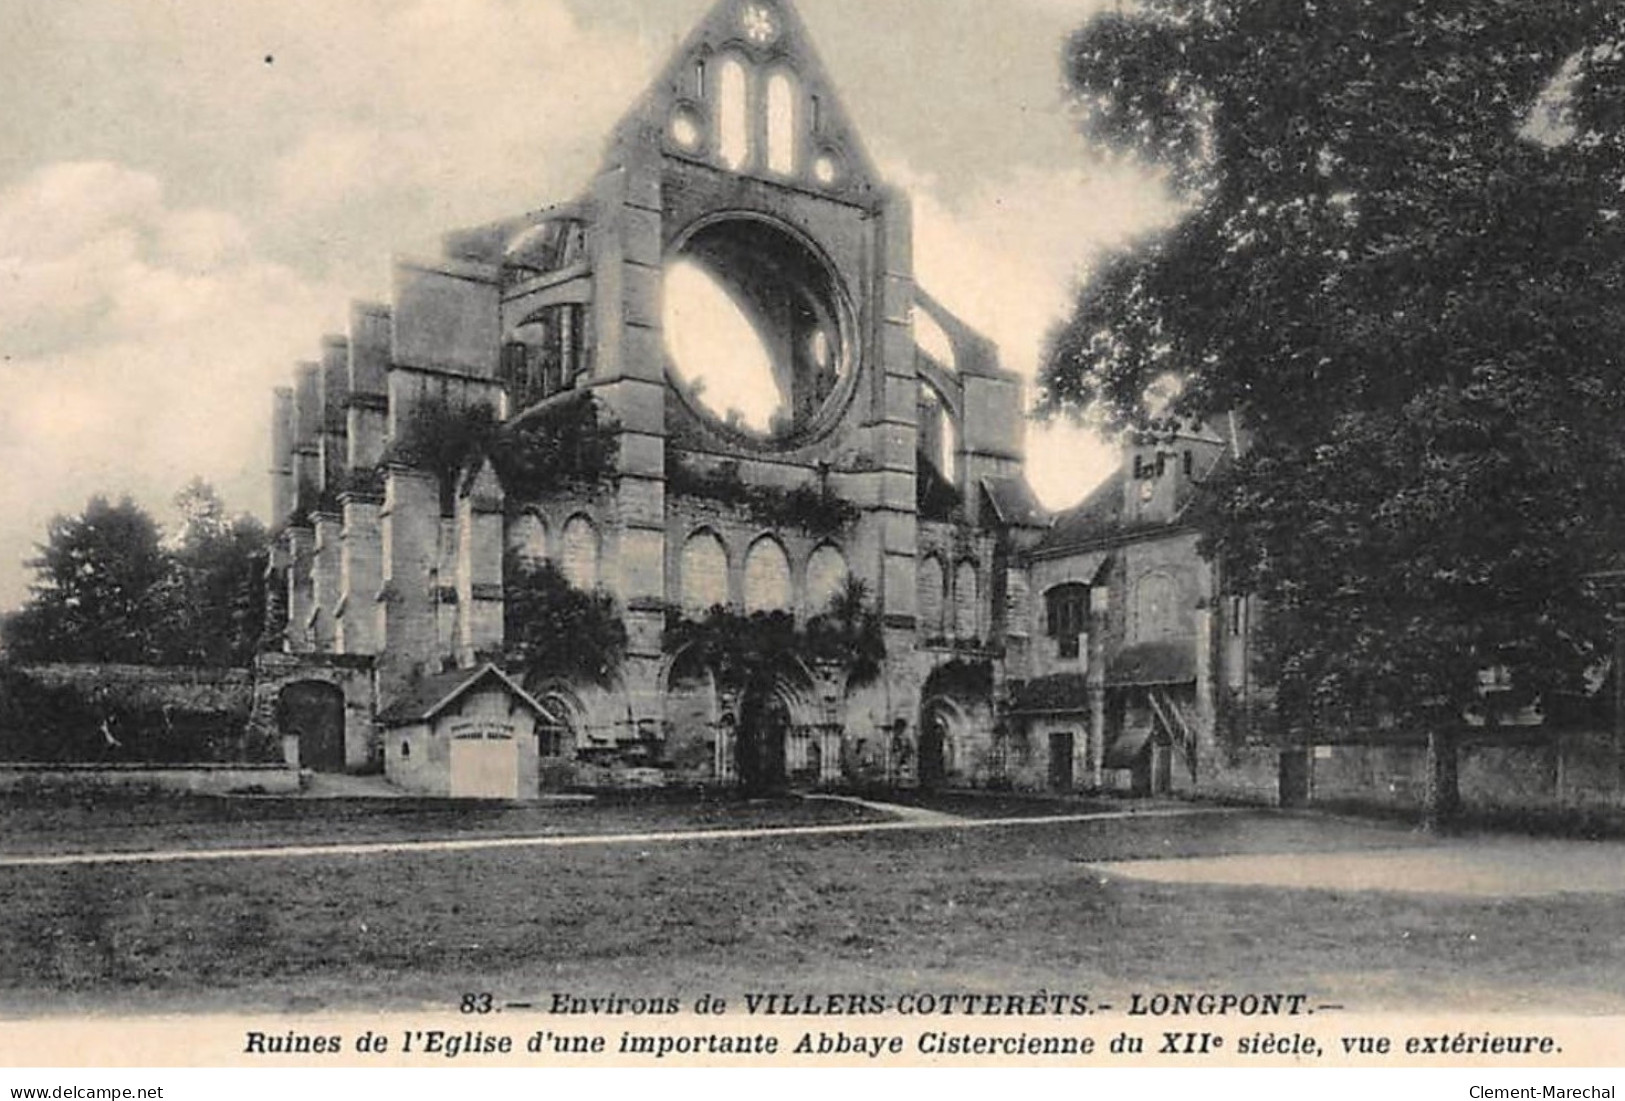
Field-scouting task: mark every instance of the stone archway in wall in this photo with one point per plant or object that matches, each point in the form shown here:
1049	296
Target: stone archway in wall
320	708
761	741
559	735
696	748
776	717
312	712
942	742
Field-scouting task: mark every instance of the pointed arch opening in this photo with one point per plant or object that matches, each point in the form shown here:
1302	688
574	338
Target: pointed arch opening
933	586
826	577
579	553
704	573
767	578
733	114
782	112
527	539
967	602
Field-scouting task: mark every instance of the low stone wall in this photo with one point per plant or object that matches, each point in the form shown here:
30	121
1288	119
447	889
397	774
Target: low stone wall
180	779
1247	774
1571	771
127	714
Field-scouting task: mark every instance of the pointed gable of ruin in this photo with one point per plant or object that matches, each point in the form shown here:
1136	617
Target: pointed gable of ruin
747	93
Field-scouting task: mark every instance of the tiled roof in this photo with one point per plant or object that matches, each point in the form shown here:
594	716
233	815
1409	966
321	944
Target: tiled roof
428	697
1014	503
1100	515
1062	692
1153	663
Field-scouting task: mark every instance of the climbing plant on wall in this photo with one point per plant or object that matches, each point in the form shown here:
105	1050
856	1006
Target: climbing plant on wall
746	650
570	442
567	443
813	509
554	629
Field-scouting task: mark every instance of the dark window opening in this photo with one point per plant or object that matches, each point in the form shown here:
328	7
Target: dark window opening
1067	611
545	357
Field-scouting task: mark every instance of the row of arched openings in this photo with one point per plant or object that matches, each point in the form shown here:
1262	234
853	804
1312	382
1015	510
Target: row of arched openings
949	604
767	583
576	554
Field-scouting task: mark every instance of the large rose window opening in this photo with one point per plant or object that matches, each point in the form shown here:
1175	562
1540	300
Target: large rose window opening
757	330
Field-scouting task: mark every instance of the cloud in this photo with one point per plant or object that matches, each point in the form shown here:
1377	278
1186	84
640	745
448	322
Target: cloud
202	215
1010	258
444	113
138	347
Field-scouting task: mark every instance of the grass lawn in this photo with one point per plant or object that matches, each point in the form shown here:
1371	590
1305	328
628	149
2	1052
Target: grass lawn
1014	908
115	823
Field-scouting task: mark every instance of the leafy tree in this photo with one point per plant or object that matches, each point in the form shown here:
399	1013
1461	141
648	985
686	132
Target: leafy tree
215	597
552	629
98	597
442	438
1402	270
110	589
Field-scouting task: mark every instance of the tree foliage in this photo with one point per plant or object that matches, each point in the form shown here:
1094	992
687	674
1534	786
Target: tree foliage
216	593
1402	271
554	630
109	589
102	581
567	442
813	508
749	651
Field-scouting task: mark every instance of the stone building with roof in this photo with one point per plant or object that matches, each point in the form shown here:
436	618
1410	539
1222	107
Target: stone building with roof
1140	678
861	450
543	393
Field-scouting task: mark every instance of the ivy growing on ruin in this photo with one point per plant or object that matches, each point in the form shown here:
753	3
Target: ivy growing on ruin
567	444
748	650
813	509
564	445
555	630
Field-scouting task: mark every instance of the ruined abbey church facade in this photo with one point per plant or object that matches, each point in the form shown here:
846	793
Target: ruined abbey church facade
887	458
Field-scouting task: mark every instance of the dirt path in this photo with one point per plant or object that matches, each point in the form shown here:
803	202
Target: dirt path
916	821
1487	868
919	816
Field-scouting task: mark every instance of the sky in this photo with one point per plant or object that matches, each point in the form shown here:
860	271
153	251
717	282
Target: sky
192	192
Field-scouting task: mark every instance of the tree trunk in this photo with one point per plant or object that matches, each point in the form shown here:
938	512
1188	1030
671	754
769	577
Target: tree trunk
1442	799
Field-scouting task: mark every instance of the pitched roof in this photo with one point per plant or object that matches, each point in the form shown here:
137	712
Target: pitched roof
1151	663
1014	504
1100	515
425	699
1061	692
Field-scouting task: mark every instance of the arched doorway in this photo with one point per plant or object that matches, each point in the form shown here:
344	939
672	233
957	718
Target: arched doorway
691	730
936	744
558	734
764	726
313	712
